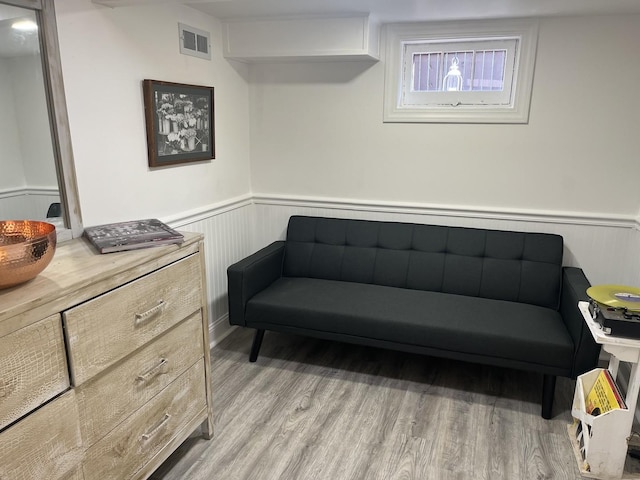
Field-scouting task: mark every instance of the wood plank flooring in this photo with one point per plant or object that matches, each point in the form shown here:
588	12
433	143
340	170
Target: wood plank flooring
316	410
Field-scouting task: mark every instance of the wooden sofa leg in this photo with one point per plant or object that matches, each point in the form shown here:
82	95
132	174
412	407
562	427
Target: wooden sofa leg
255	347
548	390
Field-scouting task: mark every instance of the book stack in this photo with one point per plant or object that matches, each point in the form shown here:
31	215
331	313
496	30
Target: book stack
116	237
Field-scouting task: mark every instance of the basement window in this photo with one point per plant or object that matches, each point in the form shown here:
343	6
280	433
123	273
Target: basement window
462	72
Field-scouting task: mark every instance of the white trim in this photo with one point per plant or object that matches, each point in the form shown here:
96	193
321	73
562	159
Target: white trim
523	215
429	99
219	329
202	213
16	192
396	35
415	208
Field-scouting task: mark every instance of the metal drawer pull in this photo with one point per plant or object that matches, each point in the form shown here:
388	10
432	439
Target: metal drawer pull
156	427
141	317
157	369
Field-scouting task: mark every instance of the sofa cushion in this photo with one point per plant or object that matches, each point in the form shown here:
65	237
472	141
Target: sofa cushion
513	266
493	328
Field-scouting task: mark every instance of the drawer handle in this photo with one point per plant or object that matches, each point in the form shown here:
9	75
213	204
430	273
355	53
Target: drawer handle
157	369
156	427
141	317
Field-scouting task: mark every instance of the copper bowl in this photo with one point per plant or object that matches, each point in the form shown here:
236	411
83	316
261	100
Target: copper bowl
26	248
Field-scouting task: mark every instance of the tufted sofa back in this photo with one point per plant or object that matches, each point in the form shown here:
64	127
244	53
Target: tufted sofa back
502	265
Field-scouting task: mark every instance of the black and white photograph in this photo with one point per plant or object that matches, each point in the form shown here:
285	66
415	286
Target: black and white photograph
179	121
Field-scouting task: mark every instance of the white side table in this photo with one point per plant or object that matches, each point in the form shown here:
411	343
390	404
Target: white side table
620	348
606	449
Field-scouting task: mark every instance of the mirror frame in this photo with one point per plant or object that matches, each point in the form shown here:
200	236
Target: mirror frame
58	116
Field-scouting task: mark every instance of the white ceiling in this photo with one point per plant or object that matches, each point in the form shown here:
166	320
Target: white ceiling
414	10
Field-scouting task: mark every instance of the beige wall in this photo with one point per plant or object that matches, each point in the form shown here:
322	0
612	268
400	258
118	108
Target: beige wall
106	53
316	130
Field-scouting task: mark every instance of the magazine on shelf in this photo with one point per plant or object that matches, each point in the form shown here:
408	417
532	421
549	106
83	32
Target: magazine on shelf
604	396
116	237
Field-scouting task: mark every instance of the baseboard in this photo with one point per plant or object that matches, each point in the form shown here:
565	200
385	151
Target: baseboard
219	329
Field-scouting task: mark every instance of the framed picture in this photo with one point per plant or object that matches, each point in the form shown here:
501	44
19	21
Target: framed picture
179	120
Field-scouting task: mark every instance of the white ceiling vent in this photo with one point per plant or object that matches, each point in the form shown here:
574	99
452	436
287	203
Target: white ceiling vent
194	42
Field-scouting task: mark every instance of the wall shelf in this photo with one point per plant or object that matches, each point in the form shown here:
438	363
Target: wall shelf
348	37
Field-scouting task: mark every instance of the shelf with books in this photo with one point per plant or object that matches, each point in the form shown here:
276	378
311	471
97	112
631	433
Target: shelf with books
603	444
600	440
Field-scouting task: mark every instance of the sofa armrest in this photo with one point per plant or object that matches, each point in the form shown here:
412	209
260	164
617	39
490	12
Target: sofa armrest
586	350
252	275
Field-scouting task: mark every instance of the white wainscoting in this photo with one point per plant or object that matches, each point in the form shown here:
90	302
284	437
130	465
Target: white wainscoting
602	246
228	230
606	248
27	203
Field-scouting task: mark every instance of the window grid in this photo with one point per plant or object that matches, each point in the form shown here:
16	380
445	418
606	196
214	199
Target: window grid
482	70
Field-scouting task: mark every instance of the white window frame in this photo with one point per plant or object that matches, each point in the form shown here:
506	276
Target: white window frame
462	107
411	97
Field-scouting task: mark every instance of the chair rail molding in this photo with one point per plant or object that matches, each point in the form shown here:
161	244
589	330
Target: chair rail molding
474	212
202	213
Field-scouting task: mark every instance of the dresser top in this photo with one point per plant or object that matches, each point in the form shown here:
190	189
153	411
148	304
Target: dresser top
77	273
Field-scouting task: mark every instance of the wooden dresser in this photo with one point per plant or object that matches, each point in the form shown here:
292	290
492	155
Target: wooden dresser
104	363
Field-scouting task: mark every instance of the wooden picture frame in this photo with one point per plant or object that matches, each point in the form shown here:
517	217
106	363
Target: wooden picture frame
180	122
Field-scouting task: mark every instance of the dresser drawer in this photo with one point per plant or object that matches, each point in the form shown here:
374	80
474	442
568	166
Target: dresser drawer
133	443
46	444
33	368
103	330
138	378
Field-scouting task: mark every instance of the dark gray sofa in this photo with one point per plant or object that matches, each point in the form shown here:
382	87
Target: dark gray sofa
495	297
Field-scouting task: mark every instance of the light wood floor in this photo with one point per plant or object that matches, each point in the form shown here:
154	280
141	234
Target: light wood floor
317	410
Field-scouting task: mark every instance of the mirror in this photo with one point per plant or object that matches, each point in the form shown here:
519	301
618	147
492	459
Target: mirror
38	176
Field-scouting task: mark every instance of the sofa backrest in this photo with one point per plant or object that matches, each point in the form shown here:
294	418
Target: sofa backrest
503	265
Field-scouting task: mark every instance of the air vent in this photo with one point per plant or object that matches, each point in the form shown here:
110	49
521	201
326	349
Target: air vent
194	42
